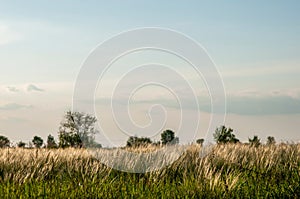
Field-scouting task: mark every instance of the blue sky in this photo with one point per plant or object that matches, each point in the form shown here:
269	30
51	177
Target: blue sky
255	46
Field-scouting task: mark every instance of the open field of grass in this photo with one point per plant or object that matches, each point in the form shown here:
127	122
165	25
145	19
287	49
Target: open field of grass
227	171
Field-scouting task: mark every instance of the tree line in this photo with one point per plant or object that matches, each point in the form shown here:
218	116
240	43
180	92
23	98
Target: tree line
78	130
225	135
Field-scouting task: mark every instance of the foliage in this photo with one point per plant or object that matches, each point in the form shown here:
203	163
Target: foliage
224	135
37	141
227	171
200	141
21	144
77	129
254	141
51	142
271	140
4	141
168	137
134	141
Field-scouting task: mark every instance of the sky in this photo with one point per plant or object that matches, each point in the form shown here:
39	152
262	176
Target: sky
254	45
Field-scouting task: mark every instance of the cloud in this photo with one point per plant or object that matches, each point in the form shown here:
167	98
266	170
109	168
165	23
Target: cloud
269	105
255	102
268	68
14	106
12	89
31	88
13	119
292	93
246	102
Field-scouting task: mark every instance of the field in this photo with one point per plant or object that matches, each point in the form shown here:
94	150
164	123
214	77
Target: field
227	171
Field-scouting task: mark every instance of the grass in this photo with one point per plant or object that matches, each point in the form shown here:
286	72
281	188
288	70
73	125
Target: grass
227	171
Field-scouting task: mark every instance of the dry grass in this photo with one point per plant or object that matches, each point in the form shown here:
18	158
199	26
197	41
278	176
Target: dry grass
225	169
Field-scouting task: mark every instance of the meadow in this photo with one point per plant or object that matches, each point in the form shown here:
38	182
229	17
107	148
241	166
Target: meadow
227	171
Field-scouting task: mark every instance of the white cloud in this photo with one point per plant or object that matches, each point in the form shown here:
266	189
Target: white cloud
32	87
14	106
12	89
263	69
255	93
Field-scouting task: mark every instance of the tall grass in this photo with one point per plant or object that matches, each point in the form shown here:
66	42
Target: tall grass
230	171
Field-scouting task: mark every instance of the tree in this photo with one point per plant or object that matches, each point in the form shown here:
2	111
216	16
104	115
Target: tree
168	137
200	141
254	141
21	144
51	142
134	141
4	141
37	141
77	129
271	140
224	135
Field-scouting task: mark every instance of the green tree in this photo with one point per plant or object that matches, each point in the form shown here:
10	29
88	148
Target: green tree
4	141
255	141
134	141
224	135
21	144
77	129
200	141
168	137
51	142
271	140
37	141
